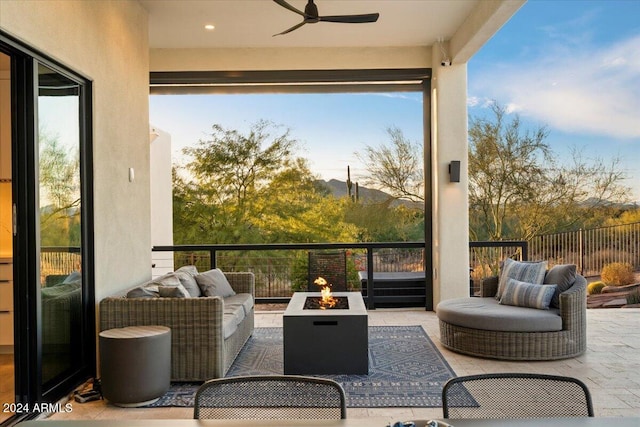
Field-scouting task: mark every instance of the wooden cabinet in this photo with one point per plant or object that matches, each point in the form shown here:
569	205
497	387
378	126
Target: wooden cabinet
6	301
5	129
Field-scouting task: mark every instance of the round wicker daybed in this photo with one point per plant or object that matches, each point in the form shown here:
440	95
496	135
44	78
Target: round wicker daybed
482	327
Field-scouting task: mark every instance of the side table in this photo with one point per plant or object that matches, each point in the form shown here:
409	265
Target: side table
135	364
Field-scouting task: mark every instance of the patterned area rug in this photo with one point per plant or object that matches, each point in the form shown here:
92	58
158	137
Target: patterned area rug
405	369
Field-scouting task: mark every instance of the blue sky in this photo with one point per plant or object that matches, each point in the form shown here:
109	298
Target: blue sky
329	128
573	66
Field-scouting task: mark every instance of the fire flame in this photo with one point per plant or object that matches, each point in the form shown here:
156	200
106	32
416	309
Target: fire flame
327	300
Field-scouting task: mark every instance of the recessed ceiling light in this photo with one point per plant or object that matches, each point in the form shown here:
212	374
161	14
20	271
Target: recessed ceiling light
209	27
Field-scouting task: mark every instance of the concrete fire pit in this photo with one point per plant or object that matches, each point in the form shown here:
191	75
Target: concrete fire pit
329	341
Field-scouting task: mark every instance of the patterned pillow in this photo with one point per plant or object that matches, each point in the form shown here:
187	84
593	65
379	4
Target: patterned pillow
523	294
525	271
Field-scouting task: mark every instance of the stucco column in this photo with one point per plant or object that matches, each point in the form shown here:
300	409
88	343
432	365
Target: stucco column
450	199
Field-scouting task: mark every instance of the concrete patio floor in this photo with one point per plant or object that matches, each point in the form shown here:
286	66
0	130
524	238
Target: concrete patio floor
610	367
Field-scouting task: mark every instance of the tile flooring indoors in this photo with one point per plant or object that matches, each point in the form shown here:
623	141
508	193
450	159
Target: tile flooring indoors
610	367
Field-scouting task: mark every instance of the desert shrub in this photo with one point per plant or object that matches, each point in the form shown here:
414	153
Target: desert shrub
594	288
617	274
634	297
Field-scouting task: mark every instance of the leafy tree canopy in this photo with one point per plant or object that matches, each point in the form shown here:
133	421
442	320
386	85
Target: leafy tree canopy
251	188
518	188
396	167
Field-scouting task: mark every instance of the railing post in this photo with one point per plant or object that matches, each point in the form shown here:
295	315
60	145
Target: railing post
370	303
212	259
582	250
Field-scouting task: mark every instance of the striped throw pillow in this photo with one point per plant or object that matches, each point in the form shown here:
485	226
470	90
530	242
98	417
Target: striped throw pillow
523	294
524	271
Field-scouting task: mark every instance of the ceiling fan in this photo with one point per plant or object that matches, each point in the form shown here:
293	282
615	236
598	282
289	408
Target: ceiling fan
311	16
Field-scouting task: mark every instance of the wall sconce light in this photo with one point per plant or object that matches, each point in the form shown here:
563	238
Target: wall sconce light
454	171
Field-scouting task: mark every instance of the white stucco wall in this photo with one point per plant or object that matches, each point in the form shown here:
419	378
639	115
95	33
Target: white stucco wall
161	200
106	41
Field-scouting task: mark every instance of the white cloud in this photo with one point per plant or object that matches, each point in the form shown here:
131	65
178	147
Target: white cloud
591	91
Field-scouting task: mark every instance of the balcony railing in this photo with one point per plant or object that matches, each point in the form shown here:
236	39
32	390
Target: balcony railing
590	249
485	259
281	269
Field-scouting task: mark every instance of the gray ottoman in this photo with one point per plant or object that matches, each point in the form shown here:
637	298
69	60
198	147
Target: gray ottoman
135	364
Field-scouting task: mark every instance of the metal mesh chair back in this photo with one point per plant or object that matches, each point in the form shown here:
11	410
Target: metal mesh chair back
515	396
270	397
332	266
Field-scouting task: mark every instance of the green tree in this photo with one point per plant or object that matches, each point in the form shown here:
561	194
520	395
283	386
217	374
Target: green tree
59	175
396	168
252	188
518	189
383	222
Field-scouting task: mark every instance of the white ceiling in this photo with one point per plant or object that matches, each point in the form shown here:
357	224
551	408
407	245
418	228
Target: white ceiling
252	23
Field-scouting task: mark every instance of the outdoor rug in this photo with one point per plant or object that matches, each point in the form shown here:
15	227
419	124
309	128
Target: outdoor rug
405	369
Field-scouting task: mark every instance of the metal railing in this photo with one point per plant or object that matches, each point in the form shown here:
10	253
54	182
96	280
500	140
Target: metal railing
590	249
280	268
485	258
58	261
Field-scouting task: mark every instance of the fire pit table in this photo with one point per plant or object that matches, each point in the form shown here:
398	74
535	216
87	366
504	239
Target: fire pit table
326	341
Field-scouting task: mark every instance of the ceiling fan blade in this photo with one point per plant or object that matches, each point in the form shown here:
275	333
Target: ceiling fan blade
291	8
295	27
351	19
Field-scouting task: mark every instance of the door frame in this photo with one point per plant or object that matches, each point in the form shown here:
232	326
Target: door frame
27	315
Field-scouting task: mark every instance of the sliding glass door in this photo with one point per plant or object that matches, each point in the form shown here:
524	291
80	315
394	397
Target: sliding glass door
59	223
53	306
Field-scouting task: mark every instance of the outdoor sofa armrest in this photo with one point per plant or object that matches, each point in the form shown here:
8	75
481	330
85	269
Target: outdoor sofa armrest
489	286
196	329
242	282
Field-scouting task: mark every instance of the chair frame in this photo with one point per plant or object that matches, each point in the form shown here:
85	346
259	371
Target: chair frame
337	275
265	378
557	378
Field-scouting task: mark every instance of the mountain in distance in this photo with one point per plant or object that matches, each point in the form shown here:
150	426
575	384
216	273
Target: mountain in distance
338	189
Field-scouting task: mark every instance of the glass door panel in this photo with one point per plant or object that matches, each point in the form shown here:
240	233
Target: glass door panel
59	224
7	364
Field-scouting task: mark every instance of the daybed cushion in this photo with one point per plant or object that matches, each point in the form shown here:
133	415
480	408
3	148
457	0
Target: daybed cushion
213	283
525	271
488	314
563	275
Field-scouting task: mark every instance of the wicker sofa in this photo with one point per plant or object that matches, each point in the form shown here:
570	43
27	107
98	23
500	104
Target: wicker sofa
207	332
483	327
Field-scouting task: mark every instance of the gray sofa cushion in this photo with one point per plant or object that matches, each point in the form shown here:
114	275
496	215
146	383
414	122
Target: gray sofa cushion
233	315
173	292
229	325
189	283
213	283
488	314
143	292
562	275
245	300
